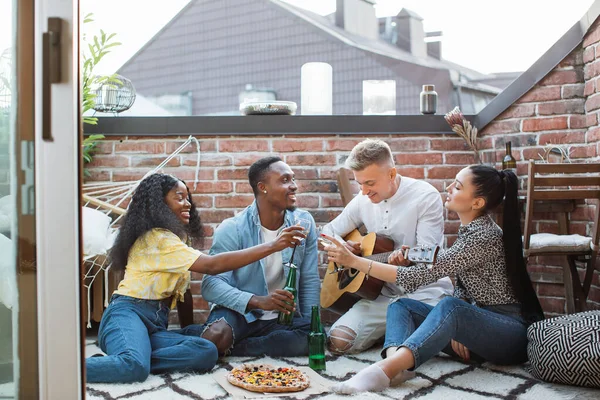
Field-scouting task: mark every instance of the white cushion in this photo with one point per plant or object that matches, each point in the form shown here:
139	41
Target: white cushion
98	237
7	209
549	242
8	279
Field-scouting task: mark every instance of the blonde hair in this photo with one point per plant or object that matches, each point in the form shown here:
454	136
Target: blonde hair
369	152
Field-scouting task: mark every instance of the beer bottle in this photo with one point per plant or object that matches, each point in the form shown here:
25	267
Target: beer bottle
316	342
290	286
509	161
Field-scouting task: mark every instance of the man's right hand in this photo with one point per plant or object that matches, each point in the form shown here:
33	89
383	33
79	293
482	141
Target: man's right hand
279	300
354	247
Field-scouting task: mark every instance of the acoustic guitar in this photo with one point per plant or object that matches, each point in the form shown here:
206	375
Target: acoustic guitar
340	290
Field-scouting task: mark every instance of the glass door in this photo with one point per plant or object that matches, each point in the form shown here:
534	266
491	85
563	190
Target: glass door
40	334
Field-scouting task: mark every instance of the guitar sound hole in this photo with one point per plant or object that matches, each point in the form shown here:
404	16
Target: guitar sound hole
346	277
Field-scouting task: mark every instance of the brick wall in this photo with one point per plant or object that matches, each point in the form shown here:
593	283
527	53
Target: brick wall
562	109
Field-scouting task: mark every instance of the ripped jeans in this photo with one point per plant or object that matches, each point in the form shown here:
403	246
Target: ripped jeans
261	337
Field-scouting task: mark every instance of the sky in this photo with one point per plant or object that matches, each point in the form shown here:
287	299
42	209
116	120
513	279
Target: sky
499	36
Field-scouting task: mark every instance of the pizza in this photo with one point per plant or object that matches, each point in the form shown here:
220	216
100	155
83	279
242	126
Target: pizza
266	378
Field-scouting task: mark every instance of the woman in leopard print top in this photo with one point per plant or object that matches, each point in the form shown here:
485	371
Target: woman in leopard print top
490	275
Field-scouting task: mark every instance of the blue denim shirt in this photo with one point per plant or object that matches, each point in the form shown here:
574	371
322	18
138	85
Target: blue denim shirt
234	289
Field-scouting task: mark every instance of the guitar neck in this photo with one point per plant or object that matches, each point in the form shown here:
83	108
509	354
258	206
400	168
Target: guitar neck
380	257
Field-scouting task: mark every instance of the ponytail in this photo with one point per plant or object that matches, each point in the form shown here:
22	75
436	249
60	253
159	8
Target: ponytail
498	187
513	251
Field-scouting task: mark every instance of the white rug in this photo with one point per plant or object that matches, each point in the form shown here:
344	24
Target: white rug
439	378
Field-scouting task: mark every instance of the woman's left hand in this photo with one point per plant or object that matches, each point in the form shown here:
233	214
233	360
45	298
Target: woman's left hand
338	253
461	350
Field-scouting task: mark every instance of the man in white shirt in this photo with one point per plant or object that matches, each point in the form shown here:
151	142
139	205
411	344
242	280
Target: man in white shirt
408	211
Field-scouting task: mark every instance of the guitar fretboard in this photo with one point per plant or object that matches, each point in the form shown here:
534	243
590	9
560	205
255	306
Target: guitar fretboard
380	257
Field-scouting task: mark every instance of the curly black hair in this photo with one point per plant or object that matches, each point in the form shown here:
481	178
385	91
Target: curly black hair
148	210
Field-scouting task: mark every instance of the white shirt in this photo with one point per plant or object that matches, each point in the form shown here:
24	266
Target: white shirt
273	269
414	215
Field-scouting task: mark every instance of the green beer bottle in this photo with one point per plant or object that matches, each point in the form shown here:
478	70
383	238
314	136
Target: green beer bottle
290	286
316	342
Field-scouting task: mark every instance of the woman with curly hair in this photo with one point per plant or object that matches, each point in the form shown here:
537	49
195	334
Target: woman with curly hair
153	247
494	301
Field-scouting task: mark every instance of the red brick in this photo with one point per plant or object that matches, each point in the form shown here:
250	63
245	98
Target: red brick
573	106
501	127
317	187
305	173
583	151
549	289
592	36
518	111
242	146
593	102
308	201
450	239
582	121
285	145
583	213
310	159
324	216
552	305
104	147
214	187
207	160
459	158
578	228
589	54
589	88
134	146
408	144
544	124
442	172
196	288
203	201
128	175
593	134
108	161
243	187
205	145
329	174
189	174
449	144
232	174
215	216
533	153
538	94
562	137
440	185
237	201
328	201
573	59
200	303
451	227
246	159
573	91
411	172
562	77
591	70
419	159
342	144
153	161
98	176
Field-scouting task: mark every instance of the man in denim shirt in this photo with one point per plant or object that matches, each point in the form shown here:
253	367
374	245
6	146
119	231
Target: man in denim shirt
246	302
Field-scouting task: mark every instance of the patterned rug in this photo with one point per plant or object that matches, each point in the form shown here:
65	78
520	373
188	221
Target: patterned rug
439	378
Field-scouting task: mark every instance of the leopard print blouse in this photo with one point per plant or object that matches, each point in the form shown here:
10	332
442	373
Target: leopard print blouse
477	261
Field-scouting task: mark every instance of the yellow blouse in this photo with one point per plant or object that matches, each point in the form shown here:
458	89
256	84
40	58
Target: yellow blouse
158	267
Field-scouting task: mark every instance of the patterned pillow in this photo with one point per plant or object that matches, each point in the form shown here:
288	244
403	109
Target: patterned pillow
566	349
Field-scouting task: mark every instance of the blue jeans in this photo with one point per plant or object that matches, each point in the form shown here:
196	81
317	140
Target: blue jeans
494	333
133	333
261	337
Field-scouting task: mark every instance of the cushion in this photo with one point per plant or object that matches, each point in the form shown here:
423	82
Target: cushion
549	242
98	237
8	278
566	349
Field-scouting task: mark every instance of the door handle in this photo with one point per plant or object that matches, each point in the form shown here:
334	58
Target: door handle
51	54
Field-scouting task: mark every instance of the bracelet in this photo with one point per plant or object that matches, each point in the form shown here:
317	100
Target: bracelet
369	270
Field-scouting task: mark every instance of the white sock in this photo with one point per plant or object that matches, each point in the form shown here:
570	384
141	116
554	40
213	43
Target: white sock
370	379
